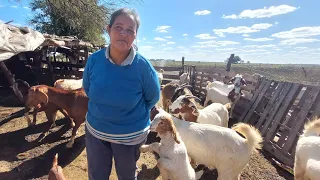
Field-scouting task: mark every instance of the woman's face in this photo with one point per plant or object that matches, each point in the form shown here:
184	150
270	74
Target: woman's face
122	32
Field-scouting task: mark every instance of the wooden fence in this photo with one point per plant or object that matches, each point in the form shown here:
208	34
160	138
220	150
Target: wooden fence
280	116
278	109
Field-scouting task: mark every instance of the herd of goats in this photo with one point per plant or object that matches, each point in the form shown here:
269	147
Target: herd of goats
191	133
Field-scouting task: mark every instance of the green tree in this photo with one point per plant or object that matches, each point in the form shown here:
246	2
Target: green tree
86	19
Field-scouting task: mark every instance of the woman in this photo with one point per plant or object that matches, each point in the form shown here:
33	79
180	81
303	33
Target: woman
122	87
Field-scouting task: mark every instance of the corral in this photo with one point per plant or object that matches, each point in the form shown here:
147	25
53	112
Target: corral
277	108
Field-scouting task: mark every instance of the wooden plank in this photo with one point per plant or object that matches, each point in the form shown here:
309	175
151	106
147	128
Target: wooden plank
277	153
301	119
274	108
167	68
270	105
257	101
284	106
171	76
243	115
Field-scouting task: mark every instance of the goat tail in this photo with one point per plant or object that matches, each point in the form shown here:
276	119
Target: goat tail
228	106
312	126
252	134
55	160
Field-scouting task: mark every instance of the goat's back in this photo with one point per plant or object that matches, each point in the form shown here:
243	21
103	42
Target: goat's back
210	144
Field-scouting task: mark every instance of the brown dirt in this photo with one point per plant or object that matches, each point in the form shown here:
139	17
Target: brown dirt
23	157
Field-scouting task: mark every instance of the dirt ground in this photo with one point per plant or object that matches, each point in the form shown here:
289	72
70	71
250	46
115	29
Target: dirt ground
22	156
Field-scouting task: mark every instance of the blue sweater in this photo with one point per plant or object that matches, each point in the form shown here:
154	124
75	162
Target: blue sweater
120	97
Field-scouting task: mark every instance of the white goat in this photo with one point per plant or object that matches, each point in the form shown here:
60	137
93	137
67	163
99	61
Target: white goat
174	161
68	84
219	92
184	78
160	76
217	147
215	113
307	157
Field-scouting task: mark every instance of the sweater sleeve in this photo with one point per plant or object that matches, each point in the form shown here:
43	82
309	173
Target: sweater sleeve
151	87
86	76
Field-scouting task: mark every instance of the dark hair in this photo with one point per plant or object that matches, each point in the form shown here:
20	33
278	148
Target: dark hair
125	11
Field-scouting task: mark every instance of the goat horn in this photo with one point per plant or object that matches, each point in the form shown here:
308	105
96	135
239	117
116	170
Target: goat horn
191	96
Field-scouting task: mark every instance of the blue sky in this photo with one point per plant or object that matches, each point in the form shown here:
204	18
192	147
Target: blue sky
260	31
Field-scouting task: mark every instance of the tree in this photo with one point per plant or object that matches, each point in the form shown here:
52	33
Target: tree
86	19
235	60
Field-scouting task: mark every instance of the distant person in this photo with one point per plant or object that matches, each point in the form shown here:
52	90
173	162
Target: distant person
122	87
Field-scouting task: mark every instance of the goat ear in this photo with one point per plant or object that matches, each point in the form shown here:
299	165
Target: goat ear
174	132
243	81
232	79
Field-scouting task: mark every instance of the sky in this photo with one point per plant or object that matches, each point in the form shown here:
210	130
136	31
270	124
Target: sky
259	31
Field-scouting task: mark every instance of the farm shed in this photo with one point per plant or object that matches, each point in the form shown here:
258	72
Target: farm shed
278	109
39	58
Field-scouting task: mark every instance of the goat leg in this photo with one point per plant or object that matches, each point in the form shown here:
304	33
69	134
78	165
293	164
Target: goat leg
163	170
65	113
74	133
26	115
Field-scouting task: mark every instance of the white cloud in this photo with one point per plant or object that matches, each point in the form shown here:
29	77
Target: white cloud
167	48
242	29
146	47
262	13
184	34
14	6
26	7
260	46
1	6
181	47
204	46
301	48
163	45
202	13
301	32
245	35
144	39
159	39
218	43
295	41
171	42
276	23
226	49
138	40
168	37
257	39
204	36
162	28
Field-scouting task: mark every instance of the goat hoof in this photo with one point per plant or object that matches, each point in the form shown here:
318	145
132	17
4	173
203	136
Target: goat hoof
73	124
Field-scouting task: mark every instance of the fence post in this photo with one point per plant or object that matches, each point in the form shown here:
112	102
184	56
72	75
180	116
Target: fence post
182	66
193	78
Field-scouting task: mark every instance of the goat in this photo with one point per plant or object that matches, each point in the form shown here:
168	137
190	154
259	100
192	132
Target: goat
74	102
51	109
160	76
68	84
217	147
184	78
174	161
215	113
56	172
307	157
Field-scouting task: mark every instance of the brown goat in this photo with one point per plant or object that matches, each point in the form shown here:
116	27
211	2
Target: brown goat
56	172
74	102
167	93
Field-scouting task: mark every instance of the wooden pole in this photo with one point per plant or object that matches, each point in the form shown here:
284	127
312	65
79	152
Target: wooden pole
182	66
11	80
